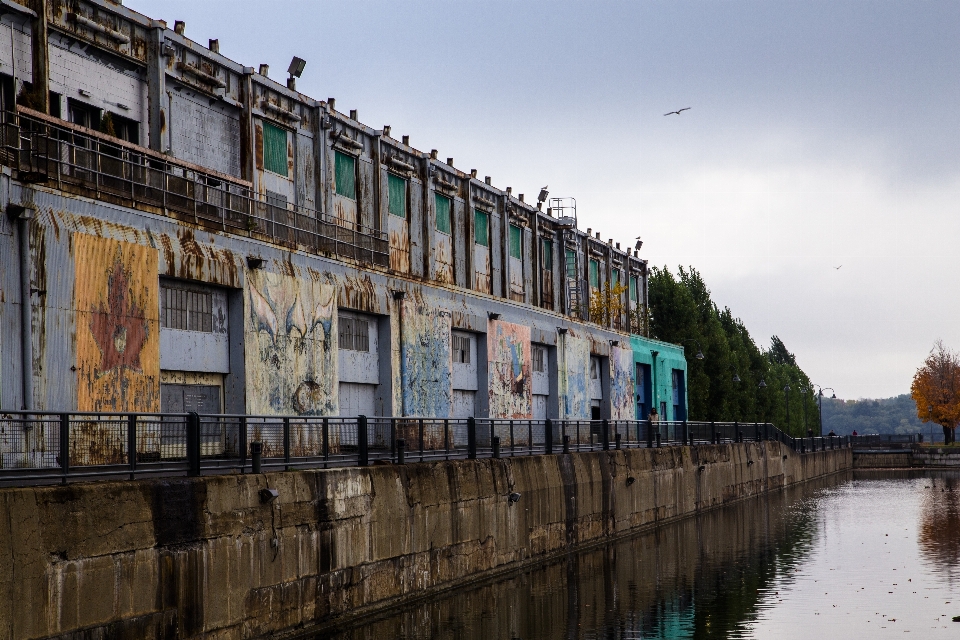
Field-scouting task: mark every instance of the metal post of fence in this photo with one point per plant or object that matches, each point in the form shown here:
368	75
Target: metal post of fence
65	445
683	435
495	442
713	432
242	443
605	434
363	454
325	432
616	439
446	437
649	434
256	455
511	438
472	438
132	444
530	437
193	443
401	445
420	436
286	444
548	436
566	444
658	437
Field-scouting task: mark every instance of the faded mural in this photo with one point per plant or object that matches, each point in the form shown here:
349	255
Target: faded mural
291	334
575	376
118	325
509	365
425	361
621	384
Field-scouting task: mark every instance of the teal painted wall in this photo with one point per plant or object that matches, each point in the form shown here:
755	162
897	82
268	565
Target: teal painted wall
670	357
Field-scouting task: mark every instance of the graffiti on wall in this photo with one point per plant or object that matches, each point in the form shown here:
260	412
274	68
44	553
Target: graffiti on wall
291	360
509	365
622	384
425	361
118	325
574	376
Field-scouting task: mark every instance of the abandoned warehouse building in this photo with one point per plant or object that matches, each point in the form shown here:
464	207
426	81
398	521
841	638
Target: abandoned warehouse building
184	233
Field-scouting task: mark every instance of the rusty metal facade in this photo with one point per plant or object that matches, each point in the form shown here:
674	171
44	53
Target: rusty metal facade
192	200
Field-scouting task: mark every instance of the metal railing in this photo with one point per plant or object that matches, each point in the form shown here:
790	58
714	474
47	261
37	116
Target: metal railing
38	447
58	153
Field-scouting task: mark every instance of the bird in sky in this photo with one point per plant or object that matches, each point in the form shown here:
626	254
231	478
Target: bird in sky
838	267
677	112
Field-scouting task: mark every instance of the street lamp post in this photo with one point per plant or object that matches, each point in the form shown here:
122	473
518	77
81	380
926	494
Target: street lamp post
820	396
786	403
803	401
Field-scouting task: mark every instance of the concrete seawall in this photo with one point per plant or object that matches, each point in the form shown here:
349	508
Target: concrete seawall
908	457
205	557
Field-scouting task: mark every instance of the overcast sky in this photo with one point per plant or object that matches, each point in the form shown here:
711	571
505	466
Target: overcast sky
820	134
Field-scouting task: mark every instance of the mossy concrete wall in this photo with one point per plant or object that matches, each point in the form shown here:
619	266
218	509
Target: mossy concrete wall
191	558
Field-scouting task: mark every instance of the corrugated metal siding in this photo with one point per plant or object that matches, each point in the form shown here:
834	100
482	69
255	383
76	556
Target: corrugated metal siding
203	133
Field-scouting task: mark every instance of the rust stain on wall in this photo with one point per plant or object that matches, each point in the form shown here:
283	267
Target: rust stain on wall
399	236
443	258
622	405
118	325
509	365
481	258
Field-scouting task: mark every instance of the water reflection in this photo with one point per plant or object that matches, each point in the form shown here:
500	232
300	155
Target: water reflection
939	527
704	577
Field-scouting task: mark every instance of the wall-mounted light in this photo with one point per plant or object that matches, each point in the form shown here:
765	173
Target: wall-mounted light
493	315
513	497
255	262
736	378
615	343
762	385
639	244
701	469
399	295
562	330
268	495
630	480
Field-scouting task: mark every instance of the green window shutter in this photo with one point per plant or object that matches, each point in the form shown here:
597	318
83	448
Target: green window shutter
615	279
633	288
397	205
443	213
345	175
594	274
516	242
481	227
571	264
546	257
274	149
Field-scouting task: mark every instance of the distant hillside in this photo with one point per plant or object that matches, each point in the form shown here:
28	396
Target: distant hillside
886	415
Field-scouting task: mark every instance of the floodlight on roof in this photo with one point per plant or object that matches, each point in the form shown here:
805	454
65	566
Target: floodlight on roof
296	67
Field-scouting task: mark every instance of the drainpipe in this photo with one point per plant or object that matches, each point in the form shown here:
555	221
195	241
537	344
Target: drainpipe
654	397
22	216
398	297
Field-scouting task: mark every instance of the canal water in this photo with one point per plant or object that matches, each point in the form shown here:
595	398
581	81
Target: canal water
863	555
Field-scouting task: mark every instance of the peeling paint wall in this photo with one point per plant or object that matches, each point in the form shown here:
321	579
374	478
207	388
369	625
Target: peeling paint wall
622	405
399	235
291	337
509	369
425	361
118	325
574	376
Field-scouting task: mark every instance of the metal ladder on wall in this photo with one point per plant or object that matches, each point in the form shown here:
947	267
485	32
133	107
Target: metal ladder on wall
573	283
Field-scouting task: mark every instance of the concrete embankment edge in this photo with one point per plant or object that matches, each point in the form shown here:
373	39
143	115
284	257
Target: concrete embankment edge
204	557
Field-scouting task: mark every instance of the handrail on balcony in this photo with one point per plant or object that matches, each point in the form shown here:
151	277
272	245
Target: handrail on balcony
46	149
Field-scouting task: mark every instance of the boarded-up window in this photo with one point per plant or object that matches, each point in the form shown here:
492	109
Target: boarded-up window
594	274
481	227
397	204
354	334
538	359
461	349
274	149
345	175
516	242
443	213
546	255
186	309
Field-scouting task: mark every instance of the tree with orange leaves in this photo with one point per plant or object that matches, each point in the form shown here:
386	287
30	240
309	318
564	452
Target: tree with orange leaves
936	389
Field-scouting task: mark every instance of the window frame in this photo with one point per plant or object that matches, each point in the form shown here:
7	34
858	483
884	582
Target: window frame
393	179
477	214
448	217
337	154
268	158
350	336
519	242
593	273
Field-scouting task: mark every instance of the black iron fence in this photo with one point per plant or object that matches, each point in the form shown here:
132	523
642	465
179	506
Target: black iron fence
44	149
37	447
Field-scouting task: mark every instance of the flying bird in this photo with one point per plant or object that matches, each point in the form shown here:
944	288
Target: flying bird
838	267
677	112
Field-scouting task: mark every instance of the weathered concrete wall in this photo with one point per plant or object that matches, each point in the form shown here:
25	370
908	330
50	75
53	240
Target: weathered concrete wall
919	457
189	558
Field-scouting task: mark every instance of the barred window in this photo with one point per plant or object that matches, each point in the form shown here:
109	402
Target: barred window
186	309
461	349
538	359
354	334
